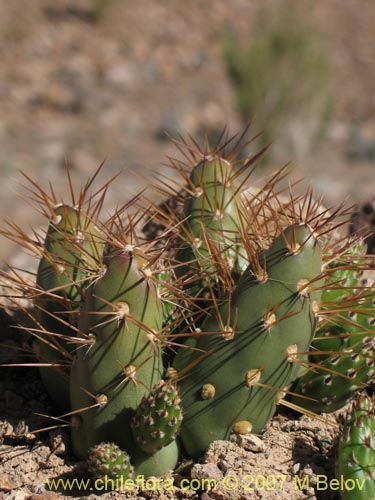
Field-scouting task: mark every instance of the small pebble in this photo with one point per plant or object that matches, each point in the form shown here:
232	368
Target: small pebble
21	428
224	465
21	495
249	442
48	495
215	495
59	441
206	471
296	468
6	428
6	483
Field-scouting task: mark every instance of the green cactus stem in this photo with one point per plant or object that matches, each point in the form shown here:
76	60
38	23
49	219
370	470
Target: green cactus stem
122	358
329	385
157	464
212	230
71	254
248	350
356	451
342	282
342	354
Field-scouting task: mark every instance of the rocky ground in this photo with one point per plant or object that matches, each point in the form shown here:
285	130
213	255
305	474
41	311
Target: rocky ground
86	80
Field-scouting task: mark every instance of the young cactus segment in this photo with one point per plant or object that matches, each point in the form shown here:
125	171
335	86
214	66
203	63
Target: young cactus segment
158	418
156	464
213	223
356	452
121	320
340	289
107	460
342	354
248	350
334	381
71	254
72	250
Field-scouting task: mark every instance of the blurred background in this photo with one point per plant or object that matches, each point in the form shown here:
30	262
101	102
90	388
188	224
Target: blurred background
86	80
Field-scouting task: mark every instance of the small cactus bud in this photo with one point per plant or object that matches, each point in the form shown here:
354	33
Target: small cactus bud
108	460
158	418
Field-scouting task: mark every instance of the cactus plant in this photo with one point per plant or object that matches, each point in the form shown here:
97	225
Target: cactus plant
157	418
121	361
156	464
342	354
356	451
68	257
227	295
248	349
71	254
208	252
342	284
213	220
108	460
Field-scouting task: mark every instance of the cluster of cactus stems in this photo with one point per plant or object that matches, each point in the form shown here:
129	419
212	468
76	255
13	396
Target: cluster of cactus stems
169	326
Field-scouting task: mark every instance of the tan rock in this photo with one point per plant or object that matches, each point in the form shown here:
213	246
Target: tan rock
6	483
249	442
